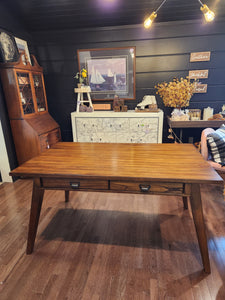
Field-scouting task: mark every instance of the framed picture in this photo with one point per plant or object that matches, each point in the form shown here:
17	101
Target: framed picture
111	71
23	49
8	49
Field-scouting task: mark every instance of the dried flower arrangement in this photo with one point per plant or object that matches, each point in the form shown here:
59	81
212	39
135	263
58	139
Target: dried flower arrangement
176	93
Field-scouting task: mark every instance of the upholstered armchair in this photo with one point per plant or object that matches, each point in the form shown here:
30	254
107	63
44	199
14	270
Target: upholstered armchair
205	152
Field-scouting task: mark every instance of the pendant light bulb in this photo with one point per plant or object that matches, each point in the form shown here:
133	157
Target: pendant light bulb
148	21
208	14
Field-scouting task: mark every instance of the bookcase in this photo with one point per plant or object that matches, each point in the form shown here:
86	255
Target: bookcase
33	129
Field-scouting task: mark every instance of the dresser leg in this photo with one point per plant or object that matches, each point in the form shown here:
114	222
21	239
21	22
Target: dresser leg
36	203
67	196
196	206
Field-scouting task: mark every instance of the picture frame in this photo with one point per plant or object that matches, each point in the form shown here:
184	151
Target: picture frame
23	49
111	71
8	48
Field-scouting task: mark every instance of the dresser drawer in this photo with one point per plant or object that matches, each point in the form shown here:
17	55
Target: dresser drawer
75	184
117	127
50	138
147	187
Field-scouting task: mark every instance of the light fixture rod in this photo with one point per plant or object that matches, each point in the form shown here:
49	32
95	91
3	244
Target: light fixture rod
200	2
160	6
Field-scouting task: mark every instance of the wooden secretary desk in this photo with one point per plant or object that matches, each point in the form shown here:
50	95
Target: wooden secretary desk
33	129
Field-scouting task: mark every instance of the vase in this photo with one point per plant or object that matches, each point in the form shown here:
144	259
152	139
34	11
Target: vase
79	85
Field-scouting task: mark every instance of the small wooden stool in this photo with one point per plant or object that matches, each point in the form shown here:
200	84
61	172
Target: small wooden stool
80	96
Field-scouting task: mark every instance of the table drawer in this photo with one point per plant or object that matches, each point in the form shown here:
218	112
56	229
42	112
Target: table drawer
147	187
75	184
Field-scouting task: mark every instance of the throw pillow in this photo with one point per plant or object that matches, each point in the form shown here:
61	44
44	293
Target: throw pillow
216	145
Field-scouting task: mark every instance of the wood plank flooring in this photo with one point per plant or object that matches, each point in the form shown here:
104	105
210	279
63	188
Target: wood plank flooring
109	246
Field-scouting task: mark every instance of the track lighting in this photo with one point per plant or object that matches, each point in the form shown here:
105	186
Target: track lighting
208	14
148	21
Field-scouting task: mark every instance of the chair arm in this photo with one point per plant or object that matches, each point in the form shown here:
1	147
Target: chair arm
204	147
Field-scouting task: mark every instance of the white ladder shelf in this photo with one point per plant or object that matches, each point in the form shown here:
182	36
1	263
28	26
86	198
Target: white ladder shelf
80	96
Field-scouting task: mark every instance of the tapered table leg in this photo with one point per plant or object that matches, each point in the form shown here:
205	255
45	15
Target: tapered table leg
196	206
185	202
67	196
36	203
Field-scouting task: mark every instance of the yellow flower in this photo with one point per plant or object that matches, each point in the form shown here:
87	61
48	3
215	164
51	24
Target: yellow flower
84	74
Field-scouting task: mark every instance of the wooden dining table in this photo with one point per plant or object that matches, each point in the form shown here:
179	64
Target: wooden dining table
162	169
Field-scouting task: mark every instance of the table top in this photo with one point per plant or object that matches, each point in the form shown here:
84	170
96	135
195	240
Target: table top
195	124
156	162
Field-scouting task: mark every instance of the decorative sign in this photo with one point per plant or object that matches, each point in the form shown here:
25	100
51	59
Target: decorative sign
201	88
200	56
99	106
194	74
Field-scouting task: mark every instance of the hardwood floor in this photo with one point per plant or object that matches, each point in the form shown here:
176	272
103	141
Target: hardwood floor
109	246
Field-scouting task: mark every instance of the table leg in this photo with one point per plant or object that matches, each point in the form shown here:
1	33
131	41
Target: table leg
185	202
196	206
181	134
36	203
66	196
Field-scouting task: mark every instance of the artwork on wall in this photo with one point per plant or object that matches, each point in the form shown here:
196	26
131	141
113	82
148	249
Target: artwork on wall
8	49
200	56
111	71
23	49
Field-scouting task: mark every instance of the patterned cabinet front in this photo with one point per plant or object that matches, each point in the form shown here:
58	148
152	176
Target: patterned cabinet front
121	127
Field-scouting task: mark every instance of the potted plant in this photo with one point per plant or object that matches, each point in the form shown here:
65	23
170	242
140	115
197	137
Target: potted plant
177	93
82	77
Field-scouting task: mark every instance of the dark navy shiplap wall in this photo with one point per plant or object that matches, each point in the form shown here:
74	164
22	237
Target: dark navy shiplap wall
161	54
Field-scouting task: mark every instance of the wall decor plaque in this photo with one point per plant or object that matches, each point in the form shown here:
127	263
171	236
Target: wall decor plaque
103	106
201	88
200	56
195	74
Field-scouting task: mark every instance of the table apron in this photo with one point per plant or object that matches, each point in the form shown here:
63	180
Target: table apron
117	186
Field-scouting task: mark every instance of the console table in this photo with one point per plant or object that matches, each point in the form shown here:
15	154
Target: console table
117	127
194	124
164	169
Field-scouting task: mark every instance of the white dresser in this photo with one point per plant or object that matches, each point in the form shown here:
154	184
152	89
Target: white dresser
117	127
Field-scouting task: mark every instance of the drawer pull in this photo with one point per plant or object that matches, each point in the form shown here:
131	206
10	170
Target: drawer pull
75	185
144	188
47	144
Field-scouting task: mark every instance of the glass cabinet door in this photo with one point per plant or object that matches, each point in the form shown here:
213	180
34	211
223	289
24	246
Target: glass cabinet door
39	92
25	93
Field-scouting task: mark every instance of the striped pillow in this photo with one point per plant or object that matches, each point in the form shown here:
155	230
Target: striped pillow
216	145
